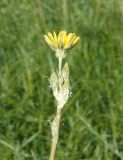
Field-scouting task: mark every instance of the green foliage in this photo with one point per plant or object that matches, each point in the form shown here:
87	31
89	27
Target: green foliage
92	120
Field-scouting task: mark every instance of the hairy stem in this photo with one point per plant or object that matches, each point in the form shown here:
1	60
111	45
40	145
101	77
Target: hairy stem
60	66
56	122
55	133
55	125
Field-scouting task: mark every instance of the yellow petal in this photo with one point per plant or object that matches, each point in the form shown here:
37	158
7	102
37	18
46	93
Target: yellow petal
55	39
62	33
76	41
69	38
50	37
61	38
48	41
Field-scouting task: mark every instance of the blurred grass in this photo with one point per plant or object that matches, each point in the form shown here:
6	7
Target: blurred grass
92	122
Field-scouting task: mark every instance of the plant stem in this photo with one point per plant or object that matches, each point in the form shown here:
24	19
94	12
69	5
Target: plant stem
56	122
55	133
55	125
60	66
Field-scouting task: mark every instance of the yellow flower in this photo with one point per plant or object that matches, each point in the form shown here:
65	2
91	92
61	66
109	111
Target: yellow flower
62	41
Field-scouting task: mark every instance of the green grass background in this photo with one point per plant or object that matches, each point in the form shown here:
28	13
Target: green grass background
92	120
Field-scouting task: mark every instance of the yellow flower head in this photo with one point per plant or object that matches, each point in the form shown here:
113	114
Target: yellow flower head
61	41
